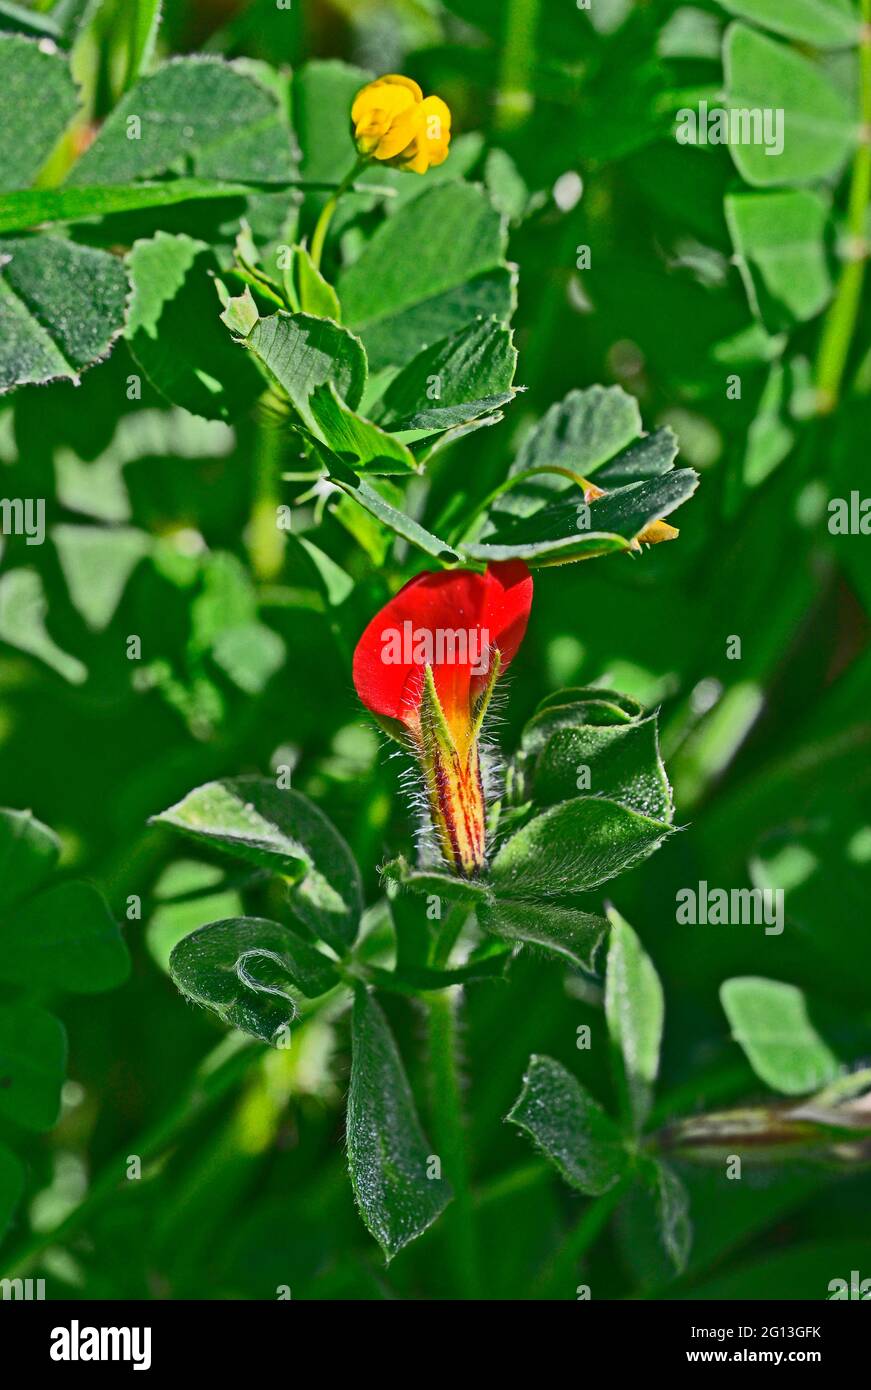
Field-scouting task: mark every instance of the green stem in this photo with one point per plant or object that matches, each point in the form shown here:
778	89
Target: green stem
463	532
514	99
458	1222
326	217
131	65
509	1184
265	540
215	1077
447	935
840	322
559	1278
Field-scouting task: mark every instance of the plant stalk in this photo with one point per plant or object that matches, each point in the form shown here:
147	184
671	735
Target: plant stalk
458	1222
327	211
217	1075
514	100
557	1279
840	321
265	540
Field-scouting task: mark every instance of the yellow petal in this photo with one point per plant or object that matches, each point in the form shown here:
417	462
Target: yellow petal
414	159
403	130
434	110
375	111
435	116
398	80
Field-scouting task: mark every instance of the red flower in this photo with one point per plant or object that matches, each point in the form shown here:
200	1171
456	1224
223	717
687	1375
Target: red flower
426	666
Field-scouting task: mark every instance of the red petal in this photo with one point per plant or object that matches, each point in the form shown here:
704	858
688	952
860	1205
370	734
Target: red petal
506	612
497	602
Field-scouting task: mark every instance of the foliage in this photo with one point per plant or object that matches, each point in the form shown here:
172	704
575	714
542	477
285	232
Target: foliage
258	388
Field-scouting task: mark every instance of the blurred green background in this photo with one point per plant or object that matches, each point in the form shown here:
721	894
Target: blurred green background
567	116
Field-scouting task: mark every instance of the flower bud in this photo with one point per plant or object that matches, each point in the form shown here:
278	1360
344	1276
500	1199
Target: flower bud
426	666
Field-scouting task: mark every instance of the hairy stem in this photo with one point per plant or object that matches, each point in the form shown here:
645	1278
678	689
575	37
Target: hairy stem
840	322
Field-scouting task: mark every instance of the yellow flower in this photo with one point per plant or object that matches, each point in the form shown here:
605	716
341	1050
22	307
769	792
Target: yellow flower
394	123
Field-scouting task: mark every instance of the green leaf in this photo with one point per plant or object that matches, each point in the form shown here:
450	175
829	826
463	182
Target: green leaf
142	33
673	1208
64	938
388	1152
635	1012
581	432
175	333
299	353
779	242
32	207
569	529
618	761
30	127
363	445
334	582
560	931
247	817
822	23
11	1186
33	1057
190	894
435	882
226	599
431	269
376	505
284	832
649	457
598	705
240	312
453	382
819	129
574	847
245	970
769	438
329	899
769	1021
316	295
97	562
541	515
199	116
23	610
655	1223
71	17
250	654
29	852
569	1128
15	19
323	93
506	185
61	309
